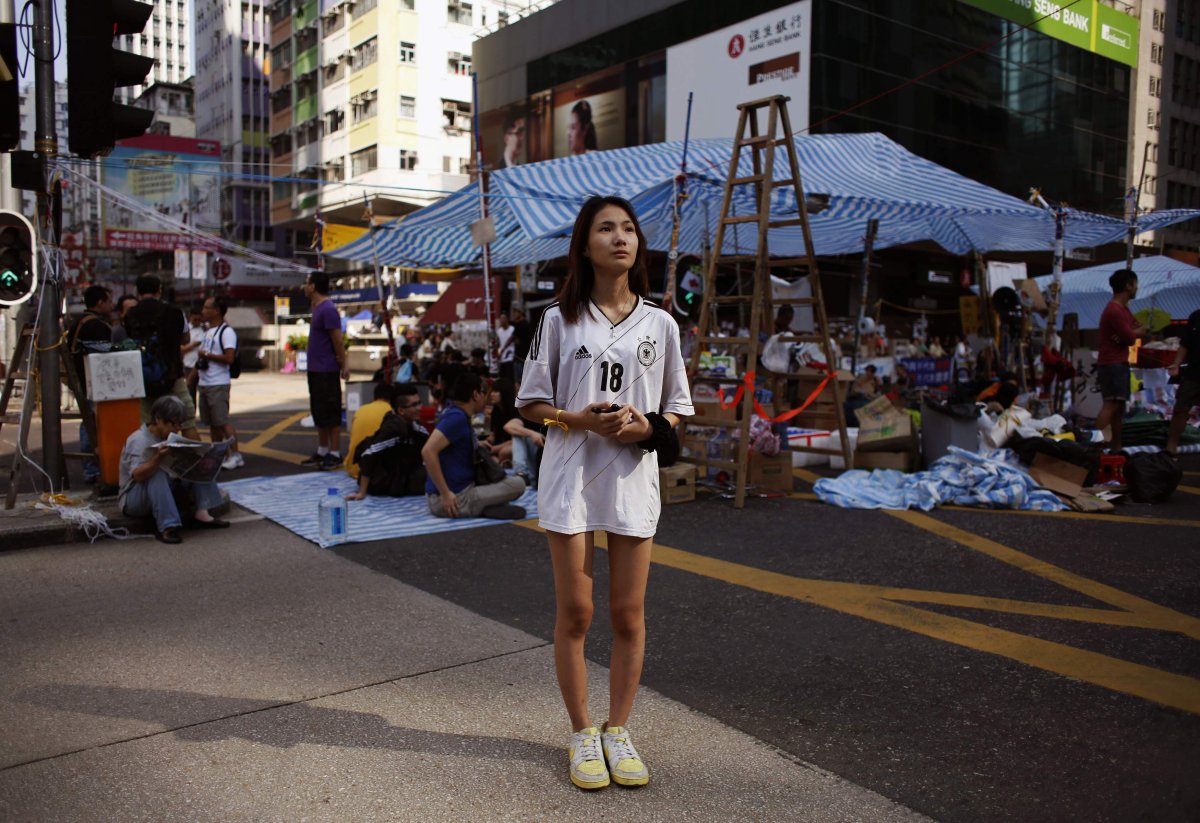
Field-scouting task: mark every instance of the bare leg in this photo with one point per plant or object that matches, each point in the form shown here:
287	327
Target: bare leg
1110	415
572	555
628	569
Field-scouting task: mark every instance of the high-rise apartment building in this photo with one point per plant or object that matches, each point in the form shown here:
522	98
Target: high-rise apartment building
371	102
232	108
167	37
1178	183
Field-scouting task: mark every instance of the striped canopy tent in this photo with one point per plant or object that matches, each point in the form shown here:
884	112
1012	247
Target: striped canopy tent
1163	283
864	176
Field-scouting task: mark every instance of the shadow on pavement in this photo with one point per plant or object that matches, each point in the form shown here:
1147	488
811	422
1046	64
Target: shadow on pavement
296	723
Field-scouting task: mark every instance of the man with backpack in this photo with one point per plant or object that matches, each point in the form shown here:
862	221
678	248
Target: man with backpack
160	331
217	365
91	332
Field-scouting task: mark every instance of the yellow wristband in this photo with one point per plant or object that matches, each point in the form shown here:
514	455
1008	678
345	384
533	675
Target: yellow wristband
546	421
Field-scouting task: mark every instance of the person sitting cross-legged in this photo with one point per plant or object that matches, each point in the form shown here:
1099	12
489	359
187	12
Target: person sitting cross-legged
449	456
389	461
147	489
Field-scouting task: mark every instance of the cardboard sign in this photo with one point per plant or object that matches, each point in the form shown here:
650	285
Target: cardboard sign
115	375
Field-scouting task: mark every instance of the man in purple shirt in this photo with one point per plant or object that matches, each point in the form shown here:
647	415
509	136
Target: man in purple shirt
326	369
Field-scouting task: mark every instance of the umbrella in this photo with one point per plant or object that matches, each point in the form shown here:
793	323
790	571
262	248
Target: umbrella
864	176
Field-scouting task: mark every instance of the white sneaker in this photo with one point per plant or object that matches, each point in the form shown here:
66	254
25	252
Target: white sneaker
624	763
587	761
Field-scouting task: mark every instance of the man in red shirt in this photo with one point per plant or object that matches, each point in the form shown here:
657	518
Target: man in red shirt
1118	331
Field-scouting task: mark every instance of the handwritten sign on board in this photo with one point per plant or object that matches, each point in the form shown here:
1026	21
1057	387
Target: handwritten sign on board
114	375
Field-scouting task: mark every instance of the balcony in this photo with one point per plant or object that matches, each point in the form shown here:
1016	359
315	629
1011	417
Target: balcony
305	62
304	110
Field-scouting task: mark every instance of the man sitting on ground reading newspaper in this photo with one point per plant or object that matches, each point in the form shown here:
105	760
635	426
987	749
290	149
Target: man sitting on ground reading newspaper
157	469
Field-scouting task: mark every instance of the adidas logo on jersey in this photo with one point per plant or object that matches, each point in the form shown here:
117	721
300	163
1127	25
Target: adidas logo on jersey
583	354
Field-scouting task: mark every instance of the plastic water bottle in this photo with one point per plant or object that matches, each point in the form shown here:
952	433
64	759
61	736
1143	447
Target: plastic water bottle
333	517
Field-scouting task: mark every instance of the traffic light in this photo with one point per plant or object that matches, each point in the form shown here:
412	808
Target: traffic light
95	70
18	259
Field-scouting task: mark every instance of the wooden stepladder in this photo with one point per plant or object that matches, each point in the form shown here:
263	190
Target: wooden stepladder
746	350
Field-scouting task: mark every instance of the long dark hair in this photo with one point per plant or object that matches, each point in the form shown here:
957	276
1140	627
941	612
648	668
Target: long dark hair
581	277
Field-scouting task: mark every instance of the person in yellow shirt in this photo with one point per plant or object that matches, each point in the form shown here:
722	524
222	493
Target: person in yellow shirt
366	423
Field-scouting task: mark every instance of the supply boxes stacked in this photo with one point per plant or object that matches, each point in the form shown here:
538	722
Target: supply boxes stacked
677	484
887	438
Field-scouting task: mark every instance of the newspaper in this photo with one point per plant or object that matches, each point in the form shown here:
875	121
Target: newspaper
191	459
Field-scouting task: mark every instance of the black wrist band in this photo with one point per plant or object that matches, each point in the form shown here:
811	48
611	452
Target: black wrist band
662	436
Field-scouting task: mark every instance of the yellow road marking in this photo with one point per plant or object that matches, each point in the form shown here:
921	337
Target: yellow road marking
1064	515
880	604
259	445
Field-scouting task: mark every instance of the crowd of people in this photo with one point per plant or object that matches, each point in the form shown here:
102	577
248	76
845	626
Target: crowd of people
188	359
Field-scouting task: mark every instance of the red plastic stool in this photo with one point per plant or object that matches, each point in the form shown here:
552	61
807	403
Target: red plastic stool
1112	468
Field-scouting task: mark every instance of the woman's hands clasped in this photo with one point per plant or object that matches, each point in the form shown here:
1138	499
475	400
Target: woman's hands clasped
625	425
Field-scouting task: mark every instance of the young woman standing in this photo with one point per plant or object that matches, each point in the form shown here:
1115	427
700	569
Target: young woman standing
606	376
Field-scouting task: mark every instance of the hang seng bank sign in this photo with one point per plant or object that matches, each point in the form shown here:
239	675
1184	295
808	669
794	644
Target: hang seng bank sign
1085	23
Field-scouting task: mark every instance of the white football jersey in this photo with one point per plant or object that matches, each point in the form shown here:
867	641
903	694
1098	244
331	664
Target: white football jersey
588	482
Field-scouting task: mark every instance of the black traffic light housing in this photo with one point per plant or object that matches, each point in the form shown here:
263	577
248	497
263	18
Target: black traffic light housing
18	258
95	70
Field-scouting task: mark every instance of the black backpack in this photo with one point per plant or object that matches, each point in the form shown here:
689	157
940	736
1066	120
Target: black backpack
156	371
235	365
1152	478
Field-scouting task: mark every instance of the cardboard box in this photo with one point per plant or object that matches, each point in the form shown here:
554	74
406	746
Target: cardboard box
716	412
884	428
1066	480
774	472
904	461
677	484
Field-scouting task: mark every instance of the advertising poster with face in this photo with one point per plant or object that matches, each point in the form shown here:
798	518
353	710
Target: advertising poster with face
589	114
504	136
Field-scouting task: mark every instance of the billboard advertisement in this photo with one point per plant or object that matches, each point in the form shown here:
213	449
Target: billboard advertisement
1092	26
174	176
589	114
765	55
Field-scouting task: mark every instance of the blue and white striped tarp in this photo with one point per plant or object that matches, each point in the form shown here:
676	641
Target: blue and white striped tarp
1163	282
292	503
961	477
864	175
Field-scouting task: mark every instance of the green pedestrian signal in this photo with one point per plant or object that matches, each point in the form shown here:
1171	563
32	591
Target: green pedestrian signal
18	259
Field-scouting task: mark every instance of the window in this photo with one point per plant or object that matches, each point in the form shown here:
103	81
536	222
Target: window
364	107
335	119
362	7
459	12
408	159
364	161
457	63
408	52
457	114
408	106
364	54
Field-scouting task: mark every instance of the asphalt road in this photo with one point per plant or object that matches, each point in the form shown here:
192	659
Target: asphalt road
970	665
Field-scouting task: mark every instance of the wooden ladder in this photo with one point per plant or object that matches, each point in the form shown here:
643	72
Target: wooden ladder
746	350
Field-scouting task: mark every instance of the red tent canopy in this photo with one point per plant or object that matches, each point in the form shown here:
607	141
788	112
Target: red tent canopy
468	293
